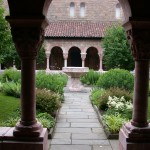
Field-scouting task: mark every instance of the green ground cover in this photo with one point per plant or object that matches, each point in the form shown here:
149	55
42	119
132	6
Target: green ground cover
8	105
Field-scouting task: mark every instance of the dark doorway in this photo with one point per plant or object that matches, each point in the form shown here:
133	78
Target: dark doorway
74	57
56	59
92	59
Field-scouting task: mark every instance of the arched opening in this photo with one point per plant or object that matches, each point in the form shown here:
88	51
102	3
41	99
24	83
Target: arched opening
92	59
56	59
74	57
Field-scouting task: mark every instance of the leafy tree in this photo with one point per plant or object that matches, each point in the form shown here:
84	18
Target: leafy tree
8	53
7	48
117	50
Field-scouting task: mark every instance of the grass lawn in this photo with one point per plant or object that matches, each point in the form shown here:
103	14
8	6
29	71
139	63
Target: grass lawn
8	104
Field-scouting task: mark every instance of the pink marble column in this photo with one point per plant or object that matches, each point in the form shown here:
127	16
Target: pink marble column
28	36
47	61
101	62
65	55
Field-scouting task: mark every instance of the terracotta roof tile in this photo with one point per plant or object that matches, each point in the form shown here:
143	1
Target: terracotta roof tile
77	29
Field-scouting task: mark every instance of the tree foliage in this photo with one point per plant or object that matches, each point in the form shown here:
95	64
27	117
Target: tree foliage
7	48
8	53
117	50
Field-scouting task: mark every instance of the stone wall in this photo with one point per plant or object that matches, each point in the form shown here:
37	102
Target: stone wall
95	10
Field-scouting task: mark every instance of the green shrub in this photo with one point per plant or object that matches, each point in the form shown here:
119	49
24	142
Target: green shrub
114	122
53	82
116	78
90	78
11	89
102	97
46	120
1	86
47	101
11	75
95	95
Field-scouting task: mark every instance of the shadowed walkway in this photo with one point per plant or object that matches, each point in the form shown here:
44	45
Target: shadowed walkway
78	127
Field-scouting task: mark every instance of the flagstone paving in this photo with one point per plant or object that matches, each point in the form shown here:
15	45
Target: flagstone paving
77	126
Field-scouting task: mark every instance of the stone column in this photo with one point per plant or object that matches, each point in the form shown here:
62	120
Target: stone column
47	60
83	56
28	35
65	55
136	134
101	62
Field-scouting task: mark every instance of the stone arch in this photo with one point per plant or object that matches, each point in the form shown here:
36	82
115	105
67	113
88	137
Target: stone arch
56	58
74	57
92	58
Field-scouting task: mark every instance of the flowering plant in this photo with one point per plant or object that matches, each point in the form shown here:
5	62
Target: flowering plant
119	104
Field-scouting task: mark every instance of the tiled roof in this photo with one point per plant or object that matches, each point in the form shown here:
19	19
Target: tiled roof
77	29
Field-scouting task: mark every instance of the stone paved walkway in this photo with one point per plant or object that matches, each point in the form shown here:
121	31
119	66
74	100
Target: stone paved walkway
78	127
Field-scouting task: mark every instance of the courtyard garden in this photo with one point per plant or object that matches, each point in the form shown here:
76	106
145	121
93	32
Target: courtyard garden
49	95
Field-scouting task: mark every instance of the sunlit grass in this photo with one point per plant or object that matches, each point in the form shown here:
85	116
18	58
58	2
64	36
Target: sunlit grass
8	105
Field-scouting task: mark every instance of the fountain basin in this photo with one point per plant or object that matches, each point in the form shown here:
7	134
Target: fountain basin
75	73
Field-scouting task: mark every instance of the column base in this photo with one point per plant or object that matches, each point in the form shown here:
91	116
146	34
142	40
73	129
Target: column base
9	142
28	131
134	138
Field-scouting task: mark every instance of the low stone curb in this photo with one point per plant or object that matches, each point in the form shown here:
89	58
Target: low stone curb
108	134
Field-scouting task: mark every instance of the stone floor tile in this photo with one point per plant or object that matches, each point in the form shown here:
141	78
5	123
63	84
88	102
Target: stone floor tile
102	147
63	125
73	130
91	142
92	125
98	130
72	116
83	120
62	136
60	141
70	147
71	110
61	120
114	144
92	136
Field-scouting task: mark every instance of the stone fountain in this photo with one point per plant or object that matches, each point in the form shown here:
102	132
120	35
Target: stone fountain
75	73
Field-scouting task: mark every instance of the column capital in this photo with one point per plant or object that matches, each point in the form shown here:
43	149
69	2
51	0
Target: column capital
83	56
138	34
27	34
47	54
65	55
100	55
27	41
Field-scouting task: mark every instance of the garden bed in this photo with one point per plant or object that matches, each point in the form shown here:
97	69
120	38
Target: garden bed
109	135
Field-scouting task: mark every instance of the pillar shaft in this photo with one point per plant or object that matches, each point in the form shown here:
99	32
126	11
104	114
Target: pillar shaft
65	63
140	101
101	62
28	91
47	61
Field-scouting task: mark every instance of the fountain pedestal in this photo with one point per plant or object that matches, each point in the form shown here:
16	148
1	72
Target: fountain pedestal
75	73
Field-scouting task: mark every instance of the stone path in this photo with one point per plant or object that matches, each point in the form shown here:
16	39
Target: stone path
78	127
